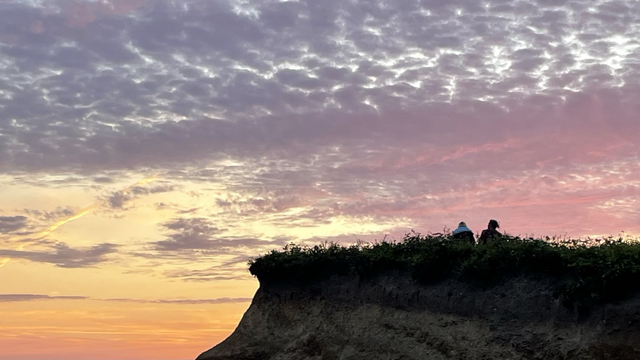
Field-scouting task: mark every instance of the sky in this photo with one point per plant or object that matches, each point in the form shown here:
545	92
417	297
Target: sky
150	148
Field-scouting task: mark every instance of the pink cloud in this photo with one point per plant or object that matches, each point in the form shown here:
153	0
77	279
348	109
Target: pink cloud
79	14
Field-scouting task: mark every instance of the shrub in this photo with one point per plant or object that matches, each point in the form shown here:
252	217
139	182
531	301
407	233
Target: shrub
586	273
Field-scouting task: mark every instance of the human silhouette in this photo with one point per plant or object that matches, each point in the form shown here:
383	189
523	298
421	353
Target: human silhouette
490	233
463	233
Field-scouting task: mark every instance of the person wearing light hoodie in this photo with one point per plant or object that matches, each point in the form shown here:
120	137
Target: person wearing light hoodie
463	233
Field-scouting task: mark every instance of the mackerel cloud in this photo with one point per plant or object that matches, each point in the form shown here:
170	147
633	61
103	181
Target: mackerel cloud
433	102
116	83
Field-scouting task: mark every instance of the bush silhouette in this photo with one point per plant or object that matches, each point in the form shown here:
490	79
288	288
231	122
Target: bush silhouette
586	272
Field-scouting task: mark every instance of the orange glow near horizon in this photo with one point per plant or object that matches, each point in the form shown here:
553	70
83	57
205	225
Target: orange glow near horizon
140	331
149	322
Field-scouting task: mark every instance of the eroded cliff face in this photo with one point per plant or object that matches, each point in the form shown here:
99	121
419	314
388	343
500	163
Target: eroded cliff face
393	317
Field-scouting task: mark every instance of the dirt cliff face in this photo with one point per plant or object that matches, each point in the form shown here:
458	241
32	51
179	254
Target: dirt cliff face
393	317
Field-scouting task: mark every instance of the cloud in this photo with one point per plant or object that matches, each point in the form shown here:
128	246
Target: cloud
233	269
224	300
12	223
244	78
103	179
275	200
39	297
192	240
356	108
54	215
118	198
64	256
188	234
36	297
199	242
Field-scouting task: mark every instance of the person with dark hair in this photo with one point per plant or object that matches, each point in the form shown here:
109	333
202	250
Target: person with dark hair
490	233
463	233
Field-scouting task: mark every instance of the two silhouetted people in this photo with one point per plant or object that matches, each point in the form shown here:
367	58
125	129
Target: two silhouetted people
463	233
490	234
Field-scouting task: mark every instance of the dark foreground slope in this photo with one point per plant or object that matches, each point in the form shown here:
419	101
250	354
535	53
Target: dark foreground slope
382	309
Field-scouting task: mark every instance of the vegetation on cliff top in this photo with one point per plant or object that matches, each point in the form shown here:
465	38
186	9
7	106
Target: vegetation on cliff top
595	272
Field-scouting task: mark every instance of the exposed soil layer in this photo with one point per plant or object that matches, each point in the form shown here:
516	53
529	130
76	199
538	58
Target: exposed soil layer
394	317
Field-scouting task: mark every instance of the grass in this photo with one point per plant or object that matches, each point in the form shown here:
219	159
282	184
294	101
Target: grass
591	272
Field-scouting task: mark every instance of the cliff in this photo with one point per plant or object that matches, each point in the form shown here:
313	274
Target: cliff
436	298
392	316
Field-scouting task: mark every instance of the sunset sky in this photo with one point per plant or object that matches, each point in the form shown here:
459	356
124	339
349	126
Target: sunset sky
149	148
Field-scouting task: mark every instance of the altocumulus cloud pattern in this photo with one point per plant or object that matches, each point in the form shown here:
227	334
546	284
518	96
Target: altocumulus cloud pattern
409	105
86	82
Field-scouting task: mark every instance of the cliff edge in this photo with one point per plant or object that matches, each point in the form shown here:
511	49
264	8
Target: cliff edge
394	317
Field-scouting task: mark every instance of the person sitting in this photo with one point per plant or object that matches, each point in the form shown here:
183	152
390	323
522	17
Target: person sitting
490	233
463	233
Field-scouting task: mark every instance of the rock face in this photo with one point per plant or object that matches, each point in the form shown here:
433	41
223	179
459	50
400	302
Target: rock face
393	317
